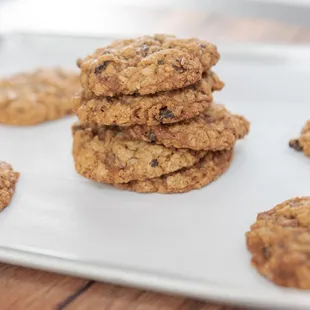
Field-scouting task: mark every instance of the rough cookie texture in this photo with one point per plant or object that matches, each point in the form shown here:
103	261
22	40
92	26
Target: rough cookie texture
303	142
36	97
215	129
280	243
160	108
208	169
146	65
107	155
8	180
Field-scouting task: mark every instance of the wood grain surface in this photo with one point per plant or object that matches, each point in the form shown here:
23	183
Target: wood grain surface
30	289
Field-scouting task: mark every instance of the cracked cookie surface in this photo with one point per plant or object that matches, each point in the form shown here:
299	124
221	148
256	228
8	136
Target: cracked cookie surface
215	129
36	97
302	144
160	108
208	169
279	241
108	155
8	180
146	65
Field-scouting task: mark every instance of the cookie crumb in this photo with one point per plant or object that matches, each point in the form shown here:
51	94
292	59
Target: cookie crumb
295	145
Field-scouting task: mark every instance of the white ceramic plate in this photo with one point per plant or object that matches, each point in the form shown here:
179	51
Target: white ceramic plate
191	244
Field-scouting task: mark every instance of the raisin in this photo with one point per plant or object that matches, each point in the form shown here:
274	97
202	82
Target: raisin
165	113
79	62
160	62
266	252
295	144
151	136
154	163
102	67
179	67
144	50
203	45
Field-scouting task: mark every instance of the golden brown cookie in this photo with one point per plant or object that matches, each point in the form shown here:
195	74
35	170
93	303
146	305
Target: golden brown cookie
303	142
8	180
208	169
280	243
215	129
160	108
146	65
36	97
108	155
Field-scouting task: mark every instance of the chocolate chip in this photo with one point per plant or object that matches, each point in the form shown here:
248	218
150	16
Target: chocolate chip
160	62
154	163
165	113
109	99
102	67
151	136
295	144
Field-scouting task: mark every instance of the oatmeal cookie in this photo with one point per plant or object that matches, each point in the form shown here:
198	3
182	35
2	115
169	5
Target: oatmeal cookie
36	97
8	180
280	243
215	129
146	65
108	155
160	108
208	169
303	142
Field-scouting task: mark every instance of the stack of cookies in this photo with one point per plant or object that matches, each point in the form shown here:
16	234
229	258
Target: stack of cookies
148	122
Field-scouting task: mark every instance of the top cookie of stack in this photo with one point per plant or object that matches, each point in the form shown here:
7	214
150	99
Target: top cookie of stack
146	65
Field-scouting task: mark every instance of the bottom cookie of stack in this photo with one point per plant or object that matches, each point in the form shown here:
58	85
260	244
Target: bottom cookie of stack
207	170
107	154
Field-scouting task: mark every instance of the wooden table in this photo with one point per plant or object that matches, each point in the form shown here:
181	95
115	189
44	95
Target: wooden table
31	289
